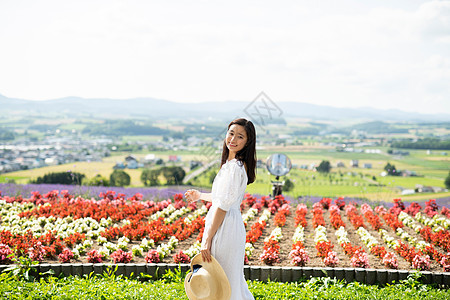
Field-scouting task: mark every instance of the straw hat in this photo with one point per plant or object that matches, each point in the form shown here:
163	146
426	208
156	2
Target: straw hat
207	280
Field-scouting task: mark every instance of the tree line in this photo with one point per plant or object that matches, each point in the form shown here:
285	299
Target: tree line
172	175
123	127
425	143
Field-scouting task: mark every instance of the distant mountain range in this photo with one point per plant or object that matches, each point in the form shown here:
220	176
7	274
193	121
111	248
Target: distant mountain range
163	109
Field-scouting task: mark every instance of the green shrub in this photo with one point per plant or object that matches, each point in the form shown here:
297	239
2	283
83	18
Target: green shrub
98	180
119	178
60	177
150	177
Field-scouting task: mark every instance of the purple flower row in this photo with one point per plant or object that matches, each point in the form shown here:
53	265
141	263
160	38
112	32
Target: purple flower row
153	193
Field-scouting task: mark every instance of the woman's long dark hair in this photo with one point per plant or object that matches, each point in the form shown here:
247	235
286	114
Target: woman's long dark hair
248	154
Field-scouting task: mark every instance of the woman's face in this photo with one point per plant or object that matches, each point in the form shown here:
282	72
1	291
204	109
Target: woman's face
236	138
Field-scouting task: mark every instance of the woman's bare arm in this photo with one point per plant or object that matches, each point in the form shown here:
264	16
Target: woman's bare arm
208	235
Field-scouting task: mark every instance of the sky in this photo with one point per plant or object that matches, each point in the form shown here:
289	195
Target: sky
383	54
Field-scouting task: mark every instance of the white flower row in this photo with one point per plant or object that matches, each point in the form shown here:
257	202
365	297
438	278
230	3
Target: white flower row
265	216
110	247
390	241
442	221
176	214
165	249
320	234
16	207
409	221
366	237
81	249
341	235
276	235
10	217
249	249
410	239
63	226
147	244
122	243
198	212
194	249
437	223
139	250
299	234
249	215
163	213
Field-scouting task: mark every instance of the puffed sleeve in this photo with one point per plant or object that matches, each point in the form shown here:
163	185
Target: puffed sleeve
227	192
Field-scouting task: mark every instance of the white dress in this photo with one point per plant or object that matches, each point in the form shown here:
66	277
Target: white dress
228	244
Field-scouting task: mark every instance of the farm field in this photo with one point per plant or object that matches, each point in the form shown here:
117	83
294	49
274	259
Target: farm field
352	182
334	233
343	181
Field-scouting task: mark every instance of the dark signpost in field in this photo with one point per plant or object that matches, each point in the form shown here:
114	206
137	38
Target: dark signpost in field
278	165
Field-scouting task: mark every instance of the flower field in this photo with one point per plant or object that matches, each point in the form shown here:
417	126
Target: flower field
113	227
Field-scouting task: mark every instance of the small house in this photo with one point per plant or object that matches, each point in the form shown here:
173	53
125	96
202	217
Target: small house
174	158
131	162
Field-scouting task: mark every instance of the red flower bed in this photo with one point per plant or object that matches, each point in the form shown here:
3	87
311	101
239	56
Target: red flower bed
121	256
413	209
152	257
255	232
379	251
406	252
280	217
317	215
440	238
373	219
131	219
335	217
323	248
433	253
431	208
6	254
274	204
355	218
66	255
94	256
446	212
300	215
271	252
298	254
392	221
325	202
181	258
397	208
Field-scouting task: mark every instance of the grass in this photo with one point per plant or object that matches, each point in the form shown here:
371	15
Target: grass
8	178
90	169
112	287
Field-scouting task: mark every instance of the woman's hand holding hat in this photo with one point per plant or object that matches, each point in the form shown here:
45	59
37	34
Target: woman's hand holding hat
206	250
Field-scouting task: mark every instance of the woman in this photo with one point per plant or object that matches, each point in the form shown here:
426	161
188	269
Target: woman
224	235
